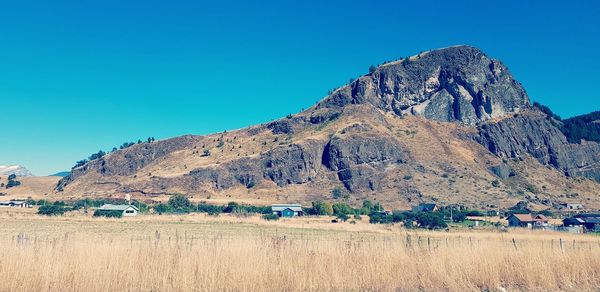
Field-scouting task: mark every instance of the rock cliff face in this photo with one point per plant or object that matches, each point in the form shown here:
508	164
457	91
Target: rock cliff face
452	84
450	125
537	135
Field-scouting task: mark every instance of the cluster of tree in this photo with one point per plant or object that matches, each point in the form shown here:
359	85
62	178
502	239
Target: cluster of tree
342	210
94	203
12	181
60	207
54	209
584	127
181	204
431	220
545	109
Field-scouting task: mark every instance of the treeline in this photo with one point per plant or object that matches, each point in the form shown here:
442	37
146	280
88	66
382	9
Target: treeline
61	207
180	204
584	127
431	220
101	153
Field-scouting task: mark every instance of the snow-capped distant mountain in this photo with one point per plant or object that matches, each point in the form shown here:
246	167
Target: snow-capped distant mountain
17	170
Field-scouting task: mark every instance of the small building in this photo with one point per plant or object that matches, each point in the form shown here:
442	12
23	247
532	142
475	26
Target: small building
425	207
128	210
527	220
15	204
572	206
591	222
287	210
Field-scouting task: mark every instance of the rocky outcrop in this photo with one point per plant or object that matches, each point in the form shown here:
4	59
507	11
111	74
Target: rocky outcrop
359	158
452	84
537	135
283	165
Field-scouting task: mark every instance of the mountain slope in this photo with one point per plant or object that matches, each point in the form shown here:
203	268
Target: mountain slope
450	125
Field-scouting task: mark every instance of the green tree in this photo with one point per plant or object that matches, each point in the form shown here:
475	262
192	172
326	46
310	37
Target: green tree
179	203
342	209
161	208
431	220
322	208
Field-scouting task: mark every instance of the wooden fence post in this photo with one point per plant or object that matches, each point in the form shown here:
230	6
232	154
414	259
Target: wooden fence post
561	245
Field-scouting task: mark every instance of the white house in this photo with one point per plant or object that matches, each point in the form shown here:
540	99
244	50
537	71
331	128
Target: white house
15	204
128	210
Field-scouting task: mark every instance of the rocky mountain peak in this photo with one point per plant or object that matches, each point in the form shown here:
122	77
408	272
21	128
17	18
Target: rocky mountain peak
451	84
17	170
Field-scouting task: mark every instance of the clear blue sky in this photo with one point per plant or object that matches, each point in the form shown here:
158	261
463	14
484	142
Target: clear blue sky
80	76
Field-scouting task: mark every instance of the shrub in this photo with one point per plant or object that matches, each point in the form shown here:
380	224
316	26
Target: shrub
342	209
232	207
343	217
162	208
179	203
337	193
210	209
12	183
108	213
51	210
270	217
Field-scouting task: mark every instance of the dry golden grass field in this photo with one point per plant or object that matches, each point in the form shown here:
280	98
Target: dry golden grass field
201	253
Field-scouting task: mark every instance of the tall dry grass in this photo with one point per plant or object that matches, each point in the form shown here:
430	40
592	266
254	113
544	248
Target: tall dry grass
146	255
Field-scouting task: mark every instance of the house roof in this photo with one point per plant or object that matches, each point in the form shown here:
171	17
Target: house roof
110	207
523	217
281	207
13	202
530	217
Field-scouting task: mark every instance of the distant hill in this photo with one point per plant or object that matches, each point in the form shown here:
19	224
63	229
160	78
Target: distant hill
17	170
61	174
448	126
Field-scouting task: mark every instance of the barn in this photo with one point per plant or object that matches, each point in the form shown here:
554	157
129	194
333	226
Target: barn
287	210
128	210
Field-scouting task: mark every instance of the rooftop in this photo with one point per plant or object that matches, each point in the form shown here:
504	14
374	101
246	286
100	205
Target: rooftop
110	207
281	207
